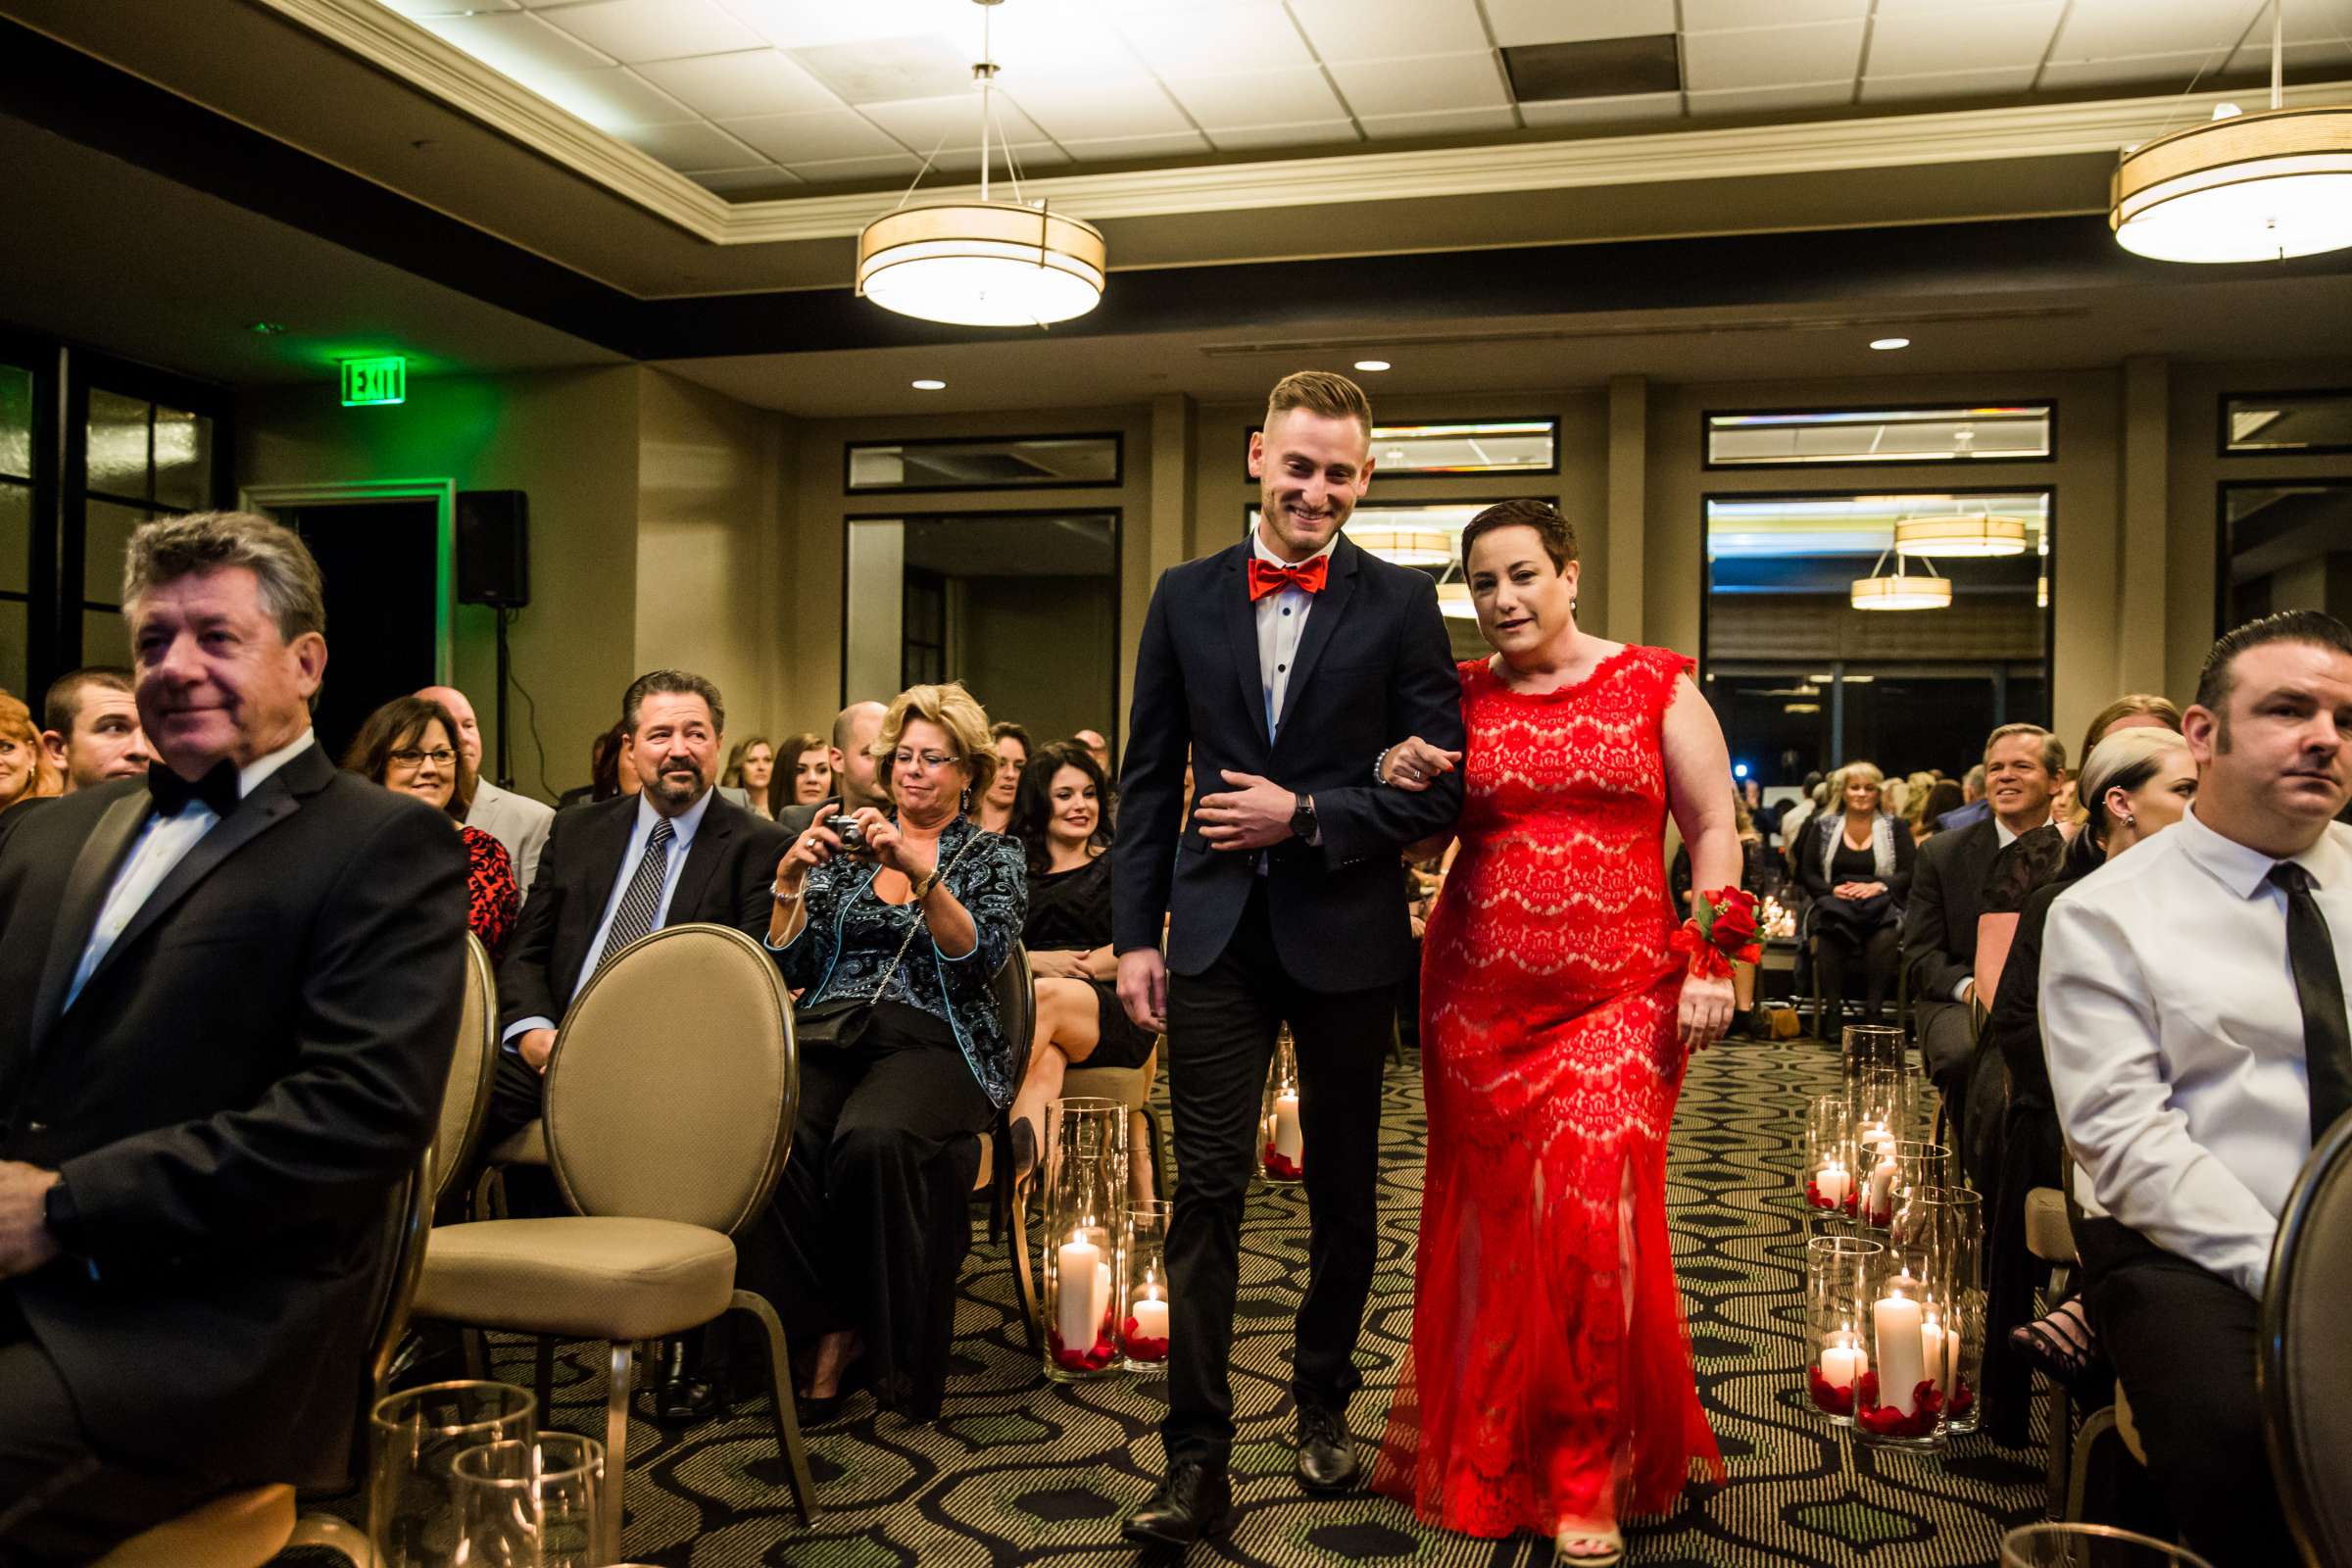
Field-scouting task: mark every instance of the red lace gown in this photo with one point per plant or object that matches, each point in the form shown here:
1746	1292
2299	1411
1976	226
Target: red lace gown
1550	1059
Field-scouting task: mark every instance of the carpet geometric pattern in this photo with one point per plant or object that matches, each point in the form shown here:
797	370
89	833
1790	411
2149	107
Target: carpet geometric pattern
1020	1470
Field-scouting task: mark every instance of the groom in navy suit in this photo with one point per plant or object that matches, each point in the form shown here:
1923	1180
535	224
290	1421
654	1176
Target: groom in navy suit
1282	666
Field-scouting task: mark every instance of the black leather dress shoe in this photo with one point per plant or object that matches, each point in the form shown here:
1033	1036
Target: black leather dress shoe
683	1392
1193	1504
1327	1460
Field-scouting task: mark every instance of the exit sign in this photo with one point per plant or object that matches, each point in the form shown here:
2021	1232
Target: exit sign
382	380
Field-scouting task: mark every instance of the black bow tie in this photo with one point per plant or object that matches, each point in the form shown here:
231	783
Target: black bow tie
171	792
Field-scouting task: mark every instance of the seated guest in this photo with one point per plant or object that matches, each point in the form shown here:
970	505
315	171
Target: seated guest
811	762
1817	791
752	769
2192	1005
1856	864
227	997
1099	747
1943	799
2023	763
894	943
516	821
2136	785
25	772
1973	808
1757	874
2138	711
604	779
850	762
994	810
1061	820
404	746
92	727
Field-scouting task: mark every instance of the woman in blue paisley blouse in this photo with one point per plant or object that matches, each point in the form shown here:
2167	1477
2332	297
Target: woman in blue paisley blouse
892	933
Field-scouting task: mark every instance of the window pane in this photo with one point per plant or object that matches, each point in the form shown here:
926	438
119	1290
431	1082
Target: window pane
12	663
2289	421
16	538
1409	533
184	459
1863	436
105	638
1493	446
118	435
1013	462
2289	547
105	541
16	421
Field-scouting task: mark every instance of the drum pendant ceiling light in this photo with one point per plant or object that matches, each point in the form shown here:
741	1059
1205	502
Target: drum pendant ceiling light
1453	602
2242	188
1404	545
1970	533
982	262
1900	591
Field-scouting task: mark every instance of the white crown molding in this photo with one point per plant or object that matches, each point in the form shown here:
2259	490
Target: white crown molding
397	45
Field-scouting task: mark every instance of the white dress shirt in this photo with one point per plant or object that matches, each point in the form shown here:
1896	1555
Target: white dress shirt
1281	623
2175	1039
163	842
682	829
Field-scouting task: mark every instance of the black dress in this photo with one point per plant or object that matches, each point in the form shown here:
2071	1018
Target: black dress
1069	911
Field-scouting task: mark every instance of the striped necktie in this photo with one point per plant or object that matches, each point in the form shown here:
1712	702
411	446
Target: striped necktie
643	900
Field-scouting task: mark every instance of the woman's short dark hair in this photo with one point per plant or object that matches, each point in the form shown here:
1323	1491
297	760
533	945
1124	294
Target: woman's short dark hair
603	765
1033	806
402	722
1006	729
1943	797
1558	534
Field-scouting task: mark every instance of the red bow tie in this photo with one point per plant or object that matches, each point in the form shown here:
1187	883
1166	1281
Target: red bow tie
1272	577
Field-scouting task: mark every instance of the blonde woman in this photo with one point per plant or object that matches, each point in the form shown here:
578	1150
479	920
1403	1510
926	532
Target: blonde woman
1856	865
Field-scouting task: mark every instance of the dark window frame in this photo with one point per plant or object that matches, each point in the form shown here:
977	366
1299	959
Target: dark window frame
2222	552
1549	470
2221	425
1707	462
1117	479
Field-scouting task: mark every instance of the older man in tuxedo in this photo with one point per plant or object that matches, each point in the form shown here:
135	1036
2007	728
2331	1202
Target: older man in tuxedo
228	994
516	821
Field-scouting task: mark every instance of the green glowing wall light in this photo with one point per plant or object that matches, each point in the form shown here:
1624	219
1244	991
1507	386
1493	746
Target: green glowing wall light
383	378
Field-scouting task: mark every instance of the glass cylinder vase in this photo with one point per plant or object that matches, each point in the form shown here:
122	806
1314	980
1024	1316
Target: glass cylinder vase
1085	1200
1954	1218
1874	1047
1144	1301
1836	1276
1281	1136
1918	1165
534	1505
414	1440
1829	1175
1899	1402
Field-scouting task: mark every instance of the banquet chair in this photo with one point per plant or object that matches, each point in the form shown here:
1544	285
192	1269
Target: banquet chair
662	1155
2050	1236
2304	1360
1015	989
472	1069
1131	1087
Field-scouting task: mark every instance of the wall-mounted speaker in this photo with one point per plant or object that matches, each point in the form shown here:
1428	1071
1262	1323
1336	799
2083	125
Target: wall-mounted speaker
494	555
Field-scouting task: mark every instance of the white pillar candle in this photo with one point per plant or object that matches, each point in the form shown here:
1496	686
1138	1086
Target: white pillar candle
1076	1309
1842	1360
1289	1142
1935	1346
1882	1186
1102	1302
1902	1355
1151	1317
1834	1184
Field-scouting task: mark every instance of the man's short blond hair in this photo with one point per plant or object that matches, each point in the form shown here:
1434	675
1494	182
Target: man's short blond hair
1323	392
2053	749
951	708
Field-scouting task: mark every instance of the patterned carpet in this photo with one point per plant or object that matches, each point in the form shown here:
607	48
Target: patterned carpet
1022	1471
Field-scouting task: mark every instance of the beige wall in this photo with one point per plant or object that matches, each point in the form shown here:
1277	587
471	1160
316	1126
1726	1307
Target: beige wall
1021	636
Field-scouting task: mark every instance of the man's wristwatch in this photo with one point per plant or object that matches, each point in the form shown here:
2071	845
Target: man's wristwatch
1302	820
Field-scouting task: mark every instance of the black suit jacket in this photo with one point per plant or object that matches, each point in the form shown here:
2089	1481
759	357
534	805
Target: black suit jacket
232	1100
730	869
1373	667
1940	920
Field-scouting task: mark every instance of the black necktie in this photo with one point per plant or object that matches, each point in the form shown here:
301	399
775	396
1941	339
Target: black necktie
171	792
2319	987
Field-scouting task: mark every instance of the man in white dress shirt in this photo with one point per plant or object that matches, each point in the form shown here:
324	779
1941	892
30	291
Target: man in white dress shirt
516	821
2193	1013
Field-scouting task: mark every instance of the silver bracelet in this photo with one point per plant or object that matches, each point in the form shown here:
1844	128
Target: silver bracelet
1380	764
784	898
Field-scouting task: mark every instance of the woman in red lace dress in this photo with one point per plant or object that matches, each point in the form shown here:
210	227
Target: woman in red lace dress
1551	1386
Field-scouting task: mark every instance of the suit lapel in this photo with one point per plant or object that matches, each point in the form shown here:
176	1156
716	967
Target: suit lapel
1241	631
1323	622
94	868
709	847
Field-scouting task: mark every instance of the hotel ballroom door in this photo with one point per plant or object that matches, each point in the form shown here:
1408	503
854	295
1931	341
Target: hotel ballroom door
378	559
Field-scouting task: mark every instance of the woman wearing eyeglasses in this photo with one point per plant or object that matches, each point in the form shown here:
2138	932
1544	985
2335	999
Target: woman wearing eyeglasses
408	745
893	929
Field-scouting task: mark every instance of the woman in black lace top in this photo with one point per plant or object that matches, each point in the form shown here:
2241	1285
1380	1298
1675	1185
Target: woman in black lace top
1062	818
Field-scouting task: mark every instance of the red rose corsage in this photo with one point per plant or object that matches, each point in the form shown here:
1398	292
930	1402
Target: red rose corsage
1722	931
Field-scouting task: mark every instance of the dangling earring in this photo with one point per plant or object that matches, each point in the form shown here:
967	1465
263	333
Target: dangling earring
967	798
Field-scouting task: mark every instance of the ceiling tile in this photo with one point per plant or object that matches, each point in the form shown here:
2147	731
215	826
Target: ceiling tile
965	161
1771	57
1979	37
611	100
2254	59
690	149
447	7
1256	35
922	122
1713	16
892	165
1773	100
2129	70
1380	29
1251	139
1072	109
1948	85
630	31
1118	149
888	69
827	135
2098	29
1444	123
748	183
1423	86
1052	38
517	45
1295	95
1600	110
757	82
807	23
1518	21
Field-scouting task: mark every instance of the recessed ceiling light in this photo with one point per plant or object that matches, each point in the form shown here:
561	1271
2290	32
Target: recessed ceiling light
926	384
1371	364
1889	342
